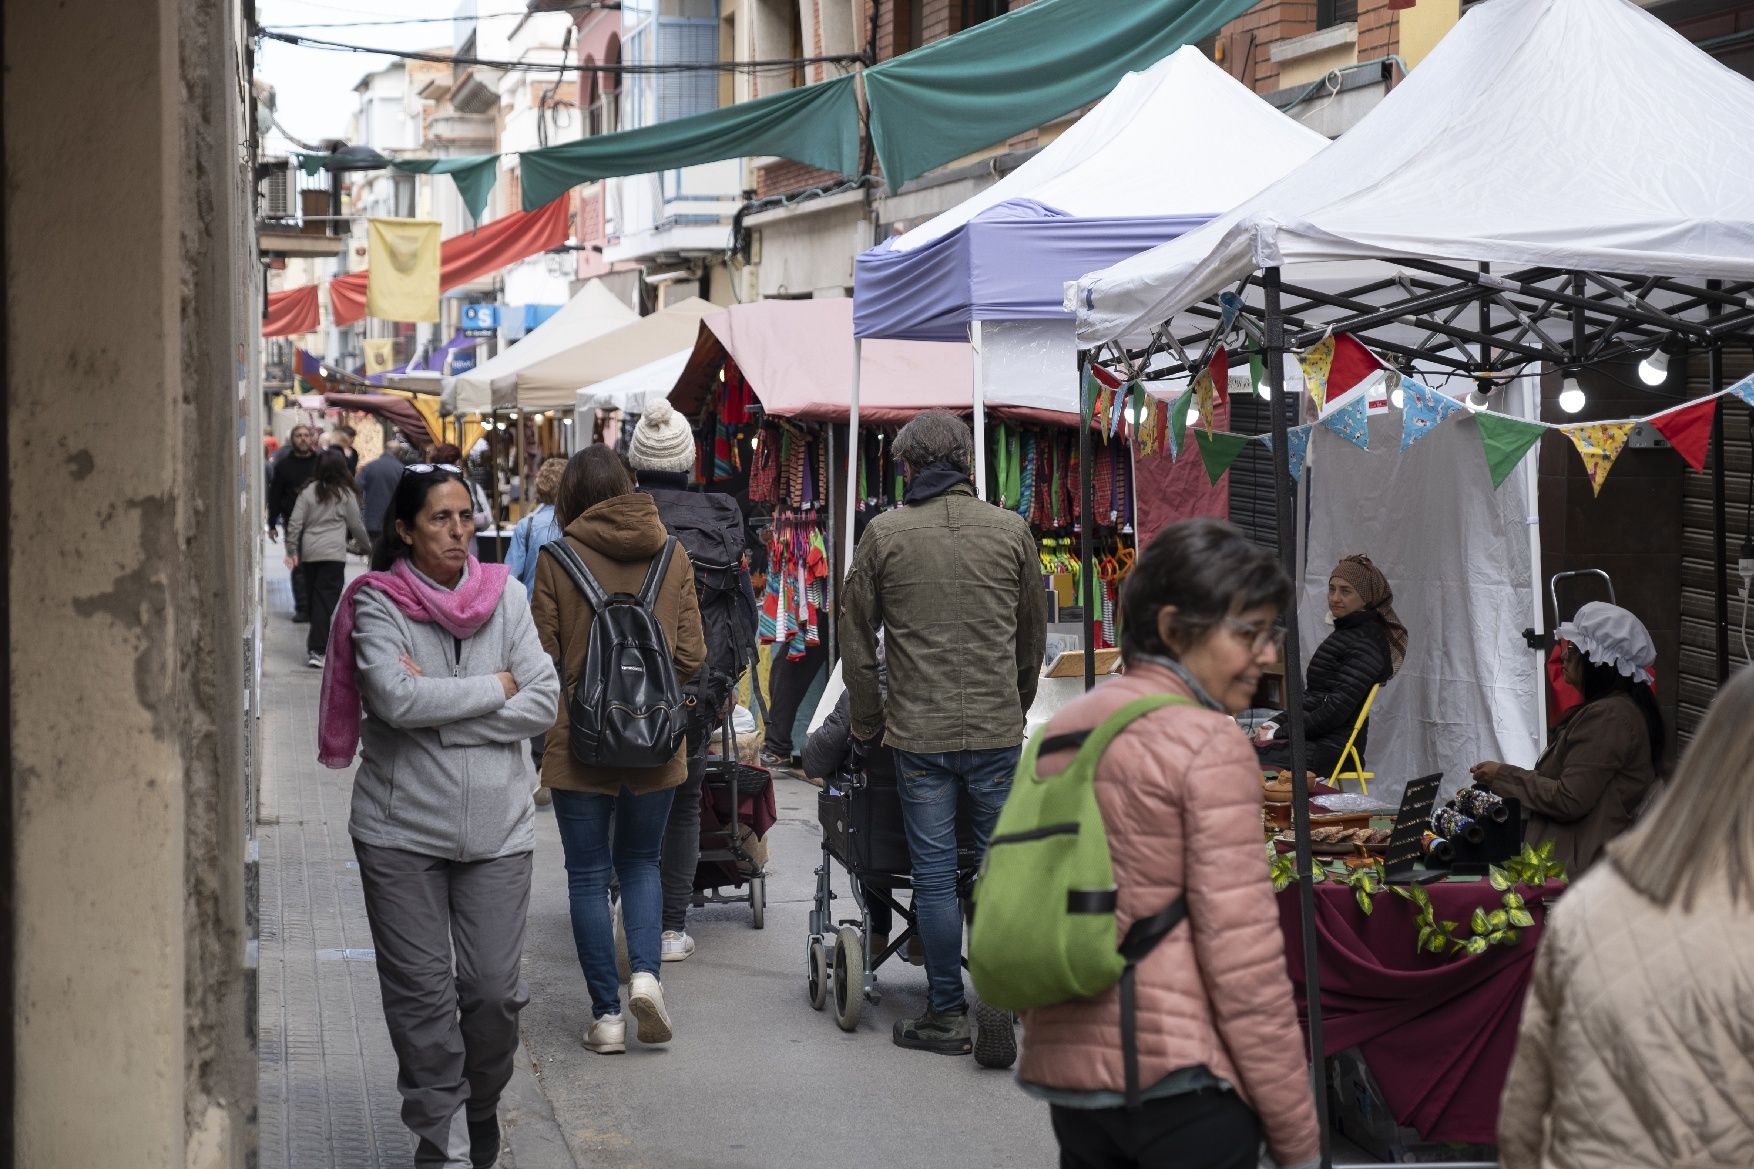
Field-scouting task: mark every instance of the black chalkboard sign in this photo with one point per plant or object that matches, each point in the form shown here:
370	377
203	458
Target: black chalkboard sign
1417	800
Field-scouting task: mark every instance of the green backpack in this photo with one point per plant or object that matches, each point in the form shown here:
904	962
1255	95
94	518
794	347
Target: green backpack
1044	903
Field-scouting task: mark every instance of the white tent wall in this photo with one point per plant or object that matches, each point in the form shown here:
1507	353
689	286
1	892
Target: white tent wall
1457	555
1030	363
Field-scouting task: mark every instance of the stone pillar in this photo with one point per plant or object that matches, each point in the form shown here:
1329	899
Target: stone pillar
128	289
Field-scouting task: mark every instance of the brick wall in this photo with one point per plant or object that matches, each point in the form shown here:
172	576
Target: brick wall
784	177
1247	39
1379	29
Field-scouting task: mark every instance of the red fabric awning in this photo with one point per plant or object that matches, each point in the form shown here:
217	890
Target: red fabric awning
400	411
291	312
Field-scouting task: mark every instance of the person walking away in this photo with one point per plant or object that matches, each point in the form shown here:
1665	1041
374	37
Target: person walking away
955	585
341	438
533	531
291	470
436	676
709	526
617	533
1596	774
377	483
325	517
1634	1046
1180	796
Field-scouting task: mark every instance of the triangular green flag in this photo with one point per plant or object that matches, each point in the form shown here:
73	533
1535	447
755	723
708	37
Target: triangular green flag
1257	371
1218	451
1092	394
474	176
1178	422
1506	441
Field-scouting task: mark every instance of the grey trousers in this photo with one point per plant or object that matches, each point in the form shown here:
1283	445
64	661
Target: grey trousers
681	854
455	1034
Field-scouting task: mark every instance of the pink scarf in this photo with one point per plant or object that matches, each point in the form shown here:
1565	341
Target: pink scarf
459	612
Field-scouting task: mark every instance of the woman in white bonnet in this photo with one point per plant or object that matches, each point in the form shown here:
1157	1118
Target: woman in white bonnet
1588	786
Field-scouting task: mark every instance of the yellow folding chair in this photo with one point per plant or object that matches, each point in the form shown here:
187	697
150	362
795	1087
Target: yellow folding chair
1350	750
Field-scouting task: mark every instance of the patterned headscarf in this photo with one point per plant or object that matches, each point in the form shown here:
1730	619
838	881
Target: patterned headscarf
1369	582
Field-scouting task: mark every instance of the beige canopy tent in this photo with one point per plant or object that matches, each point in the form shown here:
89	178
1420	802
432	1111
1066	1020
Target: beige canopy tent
493	385
554	383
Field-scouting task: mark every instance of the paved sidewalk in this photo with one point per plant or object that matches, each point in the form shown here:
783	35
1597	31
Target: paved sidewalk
328	1075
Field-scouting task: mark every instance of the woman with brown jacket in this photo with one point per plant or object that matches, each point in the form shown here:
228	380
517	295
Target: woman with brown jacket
617	533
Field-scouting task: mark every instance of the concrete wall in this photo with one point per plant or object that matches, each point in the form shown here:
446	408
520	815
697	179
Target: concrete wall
128	391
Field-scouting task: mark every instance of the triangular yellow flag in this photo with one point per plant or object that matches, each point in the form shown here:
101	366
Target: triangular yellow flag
1600	443
380	354
403	284
1316	361
1205	390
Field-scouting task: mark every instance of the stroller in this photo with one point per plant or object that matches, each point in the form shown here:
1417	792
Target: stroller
862	833
737	809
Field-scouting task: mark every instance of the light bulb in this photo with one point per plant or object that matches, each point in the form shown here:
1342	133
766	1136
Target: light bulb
1475	401
513	415
566	422
538	416
1398	398
755	443
1571	397
1263	391
1652	371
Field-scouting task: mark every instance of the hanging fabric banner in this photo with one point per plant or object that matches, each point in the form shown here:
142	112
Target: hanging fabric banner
292	312
474	176
1422	409
404	267
1178	423
1218	451
1351	422
1506	441
1316	361
1599	444
1350	364
380	354
1688	430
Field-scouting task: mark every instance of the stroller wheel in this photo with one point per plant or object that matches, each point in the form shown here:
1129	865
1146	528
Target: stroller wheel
816	967
849	977
758	901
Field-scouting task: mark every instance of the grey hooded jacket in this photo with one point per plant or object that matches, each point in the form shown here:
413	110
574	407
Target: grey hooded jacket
318	529
445	768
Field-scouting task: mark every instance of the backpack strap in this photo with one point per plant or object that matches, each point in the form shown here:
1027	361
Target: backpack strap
648	591
1142	937
574	566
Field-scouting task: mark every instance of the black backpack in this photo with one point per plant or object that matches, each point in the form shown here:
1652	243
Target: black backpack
709	526
627	709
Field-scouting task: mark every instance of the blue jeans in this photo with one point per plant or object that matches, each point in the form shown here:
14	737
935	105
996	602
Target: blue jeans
584	820
930	785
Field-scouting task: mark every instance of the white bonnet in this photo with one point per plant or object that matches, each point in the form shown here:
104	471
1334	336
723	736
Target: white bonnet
1611	636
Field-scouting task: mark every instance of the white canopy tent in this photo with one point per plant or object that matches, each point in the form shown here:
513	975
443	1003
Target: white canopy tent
1530	195
553	383
493	385
629	392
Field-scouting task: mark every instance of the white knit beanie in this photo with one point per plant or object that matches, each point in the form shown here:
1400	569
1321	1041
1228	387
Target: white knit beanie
662	441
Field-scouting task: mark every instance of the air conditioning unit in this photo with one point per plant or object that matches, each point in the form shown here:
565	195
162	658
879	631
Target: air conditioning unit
279	190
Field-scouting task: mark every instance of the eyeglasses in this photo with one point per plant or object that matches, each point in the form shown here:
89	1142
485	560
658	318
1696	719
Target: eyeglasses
1259	637
429	468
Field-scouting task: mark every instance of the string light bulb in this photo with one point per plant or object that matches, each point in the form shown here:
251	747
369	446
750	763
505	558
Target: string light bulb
1653	370
1571	395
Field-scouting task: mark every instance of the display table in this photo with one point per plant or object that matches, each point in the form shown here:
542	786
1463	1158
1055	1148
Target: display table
1438	1031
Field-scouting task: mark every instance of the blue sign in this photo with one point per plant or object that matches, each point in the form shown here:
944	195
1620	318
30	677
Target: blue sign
480	320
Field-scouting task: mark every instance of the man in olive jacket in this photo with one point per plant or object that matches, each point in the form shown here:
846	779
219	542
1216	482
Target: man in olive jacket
955	585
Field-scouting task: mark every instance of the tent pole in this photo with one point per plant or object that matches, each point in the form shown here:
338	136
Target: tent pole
980	413
829	626
846	536
1719	521
1285	507
1086	530
1532	492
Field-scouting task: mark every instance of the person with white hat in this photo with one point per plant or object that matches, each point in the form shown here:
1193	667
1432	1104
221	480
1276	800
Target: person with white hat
1589	785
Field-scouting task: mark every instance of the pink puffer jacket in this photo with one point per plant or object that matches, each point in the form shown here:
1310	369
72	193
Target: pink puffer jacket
1181	795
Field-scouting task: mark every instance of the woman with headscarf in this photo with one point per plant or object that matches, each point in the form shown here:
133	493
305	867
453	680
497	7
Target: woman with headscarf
1366	649
1589	784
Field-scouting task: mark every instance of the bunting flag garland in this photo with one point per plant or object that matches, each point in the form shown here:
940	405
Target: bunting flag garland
1296	448
1350	364
1220	367
1599	444
1117	411
1744	390
1218	451
1204	391
1257	372
1178	423
1422	409
1316	361
1506	441
1688	430
1351	422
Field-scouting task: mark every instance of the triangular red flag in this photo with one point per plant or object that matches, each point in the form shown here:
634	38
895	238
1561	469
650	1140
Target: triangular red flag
1220	367
1352	364
1688	430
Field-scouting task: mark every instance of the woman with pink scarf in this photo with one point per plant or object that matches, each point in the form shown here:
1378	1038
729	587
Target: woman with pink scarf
435	676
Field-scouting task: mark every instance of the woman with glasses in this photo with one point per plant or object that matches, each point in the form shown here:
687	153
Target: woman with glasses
1221	1061
437	678
1366	649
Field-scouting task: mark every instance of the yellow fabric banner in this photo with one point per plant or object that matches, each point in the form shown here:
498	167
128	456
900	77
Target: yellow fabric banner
1205	390
380	354
1599	443
403	258
1316	361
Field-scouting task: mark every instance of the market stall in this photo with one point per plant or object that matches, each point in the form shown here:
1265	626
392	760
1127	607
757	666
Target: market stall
624	396
1390	244
493	384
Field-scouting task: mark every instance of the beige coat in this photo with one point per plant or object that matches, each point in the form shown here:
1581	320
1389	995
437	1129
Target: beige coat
1181	797
1637	1041
617	540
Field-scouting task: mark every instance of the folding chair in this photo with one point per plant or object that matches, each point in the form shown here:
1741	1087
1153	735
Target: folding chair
1350	750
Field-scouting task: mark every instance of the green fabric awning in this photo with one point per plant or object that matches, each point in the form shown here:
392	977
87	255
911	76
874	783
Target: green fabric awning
981	86
817	125
474	176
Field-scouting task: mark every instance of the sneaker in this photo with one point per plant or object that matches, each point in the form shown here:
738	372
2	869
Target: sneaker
623	964
484	1143
314	661
675	946
301	618
607	1035
946	1034
995	1037
774	762
645	998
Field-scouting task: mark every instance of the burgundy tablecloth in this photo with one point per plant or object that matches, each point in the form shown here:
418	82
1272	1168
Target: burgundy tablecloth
1437	1031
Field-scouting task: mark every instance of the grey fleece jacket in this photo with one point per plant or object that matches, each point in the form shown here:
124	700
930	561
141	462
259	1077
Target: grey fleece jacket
318	530
445	768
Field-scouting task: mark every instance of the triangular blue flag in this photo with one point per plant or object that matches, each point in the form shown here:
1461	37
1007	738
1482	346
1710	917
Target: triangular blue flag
1232	304
1422	408
1296	447
1351	422
1744	389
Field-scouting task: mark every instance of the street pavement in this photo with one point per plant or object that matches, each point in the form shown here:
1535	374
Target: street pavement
755	1079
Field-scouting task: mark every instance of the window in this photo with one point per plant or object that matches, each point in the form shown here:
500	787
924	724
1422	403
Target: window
1332	12
980	11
